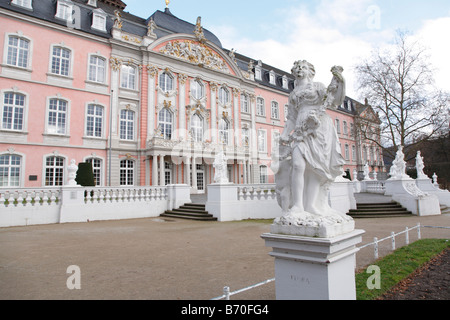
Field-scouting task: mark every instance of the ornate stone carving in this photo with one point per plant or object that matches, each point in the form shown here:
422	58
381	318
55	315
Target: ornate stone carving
116	63
199	31
195	53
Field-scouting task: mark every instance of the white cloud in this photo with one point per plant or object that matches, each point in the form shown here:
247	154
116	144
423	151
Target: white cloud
433	36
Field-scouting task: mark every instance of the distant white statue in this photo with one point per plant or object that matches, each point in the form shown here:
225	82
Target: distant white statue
398	168
309	156
366	172
220	166
420	166
72	173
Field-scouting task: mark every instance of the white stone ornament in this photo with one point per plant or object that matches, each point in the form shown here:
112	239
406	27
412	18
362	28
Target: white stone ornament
309	158
220	166
72	173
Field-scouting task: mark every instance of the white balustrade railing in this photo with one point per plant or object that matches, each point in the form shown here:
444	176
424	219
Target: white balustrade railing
23	197
256	192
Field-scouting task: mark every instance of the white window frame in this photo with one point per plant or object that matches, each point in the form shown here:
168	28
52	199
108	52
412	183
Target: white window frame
224	95
127	172
99	18
69	60
166	82
9	168
64	10
272	77
347	152
166	123
97	169
286	112
19	50
27	4
345	127
260	107
95	119
263	174
337	125
224	131
197	89
128	79
54	168
353	153
24	108
274	110
125	124
96	69
245	105
262	140
197	127
66	113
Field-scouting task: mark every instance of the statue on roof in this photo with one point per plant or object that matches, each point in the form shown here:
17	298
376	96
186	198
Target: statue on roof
118	19
199	31
151	26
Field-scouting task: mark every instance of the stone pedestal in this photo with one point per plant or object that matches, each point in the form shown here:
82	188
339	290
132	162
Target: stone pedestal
308	268
222	201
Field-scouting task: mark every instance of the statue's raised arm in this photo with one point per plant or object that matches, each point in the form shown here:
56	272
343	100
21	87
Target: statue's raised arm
336	90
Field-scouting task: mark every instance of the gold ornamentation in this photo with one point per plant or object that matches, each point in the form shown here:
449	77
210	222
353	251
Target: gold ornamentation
196	53
115	63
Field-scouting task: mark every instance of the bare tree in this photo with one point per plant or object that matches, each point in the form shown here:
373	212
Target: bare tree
398	83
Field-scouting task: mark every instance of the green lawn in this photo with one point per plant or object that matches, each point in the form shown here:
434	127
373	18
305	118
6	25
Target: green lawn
398	265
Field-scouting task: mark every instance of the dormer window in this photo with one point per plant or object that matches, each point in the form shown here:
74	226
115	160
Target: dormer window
285	82
272	77
99	20
92	3
258	70
64	10
23	3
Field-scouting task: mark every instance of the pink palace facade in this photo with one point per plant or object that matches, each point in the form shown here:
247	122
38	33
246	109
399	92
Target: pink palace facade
147	101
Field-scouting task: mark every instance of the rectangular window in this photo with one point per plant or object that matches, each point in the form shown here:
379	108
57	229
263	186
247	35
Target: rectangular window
61	61
128	77
18	51
96	169
64	11
54	171
94	121
10	171
263	174
260	109
275	110
13	111
244	103
126	125
97	69
98	22
57	116
126	173
23	3
262	145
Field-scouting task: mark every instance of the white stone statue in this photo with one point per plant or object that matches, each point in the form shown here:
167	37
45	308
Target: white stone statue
398	168
420	166
310	138
366	172
220	166
72	173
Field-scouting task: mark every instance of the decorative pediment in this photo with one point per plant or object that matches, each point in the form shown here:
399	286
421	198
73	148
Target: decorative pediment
369	115
198	109
196	53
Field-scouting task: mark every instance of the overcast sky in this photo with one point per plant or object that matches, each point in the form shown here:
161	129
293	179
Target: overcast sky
325	32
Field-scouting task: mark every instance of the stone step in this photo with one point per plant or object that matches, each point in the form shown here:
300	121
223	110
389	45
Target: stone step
379	210
190	211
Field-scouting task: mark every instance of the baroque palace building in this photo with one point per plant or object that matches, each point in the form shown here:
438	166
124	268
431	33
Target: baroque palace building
147	101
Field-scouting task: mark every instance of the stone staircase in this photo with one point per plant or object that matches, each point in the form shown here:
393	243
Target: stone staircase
379	210
192	211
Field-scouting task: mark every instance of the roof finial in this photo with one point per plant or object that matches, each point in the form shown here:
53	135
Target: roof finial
167	3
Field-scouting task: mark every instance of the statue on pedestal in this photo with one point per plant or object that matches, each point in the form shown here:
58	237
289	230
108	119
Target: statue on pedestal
420	166
220	167
398	168
310	139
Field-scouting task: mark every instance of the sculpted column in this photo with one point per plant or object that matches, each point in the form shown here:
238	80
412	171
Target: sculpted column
236	116
182	106
155	170
162	181
254	144
152	71
213	86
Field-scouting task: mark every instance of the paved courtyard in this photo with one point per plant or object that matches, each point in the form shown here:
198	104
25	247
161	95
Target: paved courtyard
159	258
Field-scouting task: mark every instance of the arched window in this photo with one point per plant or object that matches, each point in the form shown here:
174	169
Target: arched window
128	77
165	120
94	121
96	169
197	90
197	128
275	112
224	126
165	82
10	170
